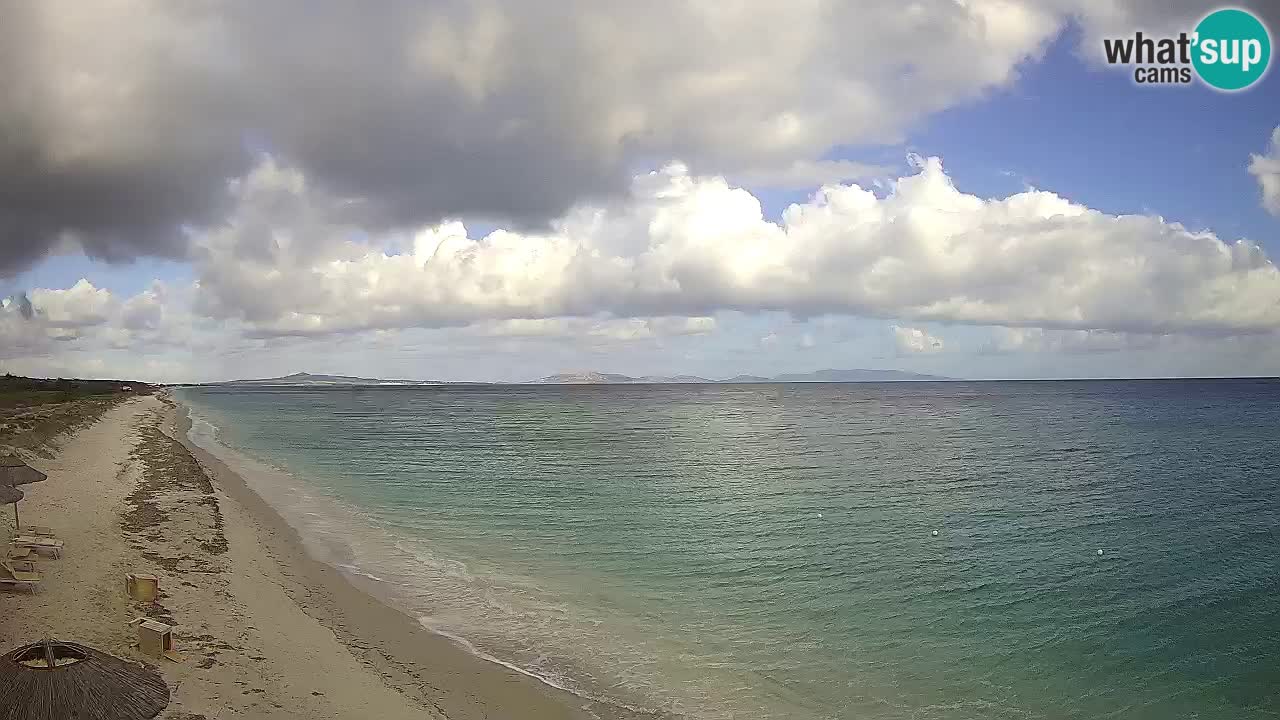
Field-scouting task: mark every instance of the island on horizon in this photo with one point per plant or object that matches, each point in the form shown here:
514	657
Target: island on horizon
591	377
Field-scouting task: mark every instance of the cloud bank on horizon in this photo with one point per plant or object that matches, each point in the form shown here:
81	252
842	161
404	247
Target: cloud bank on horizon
318	167
687	245
287	263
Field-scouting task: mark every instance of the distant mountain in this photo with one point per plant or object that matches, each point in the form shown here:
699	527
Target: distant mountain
598	378
672	379
593	378
585	378
309	379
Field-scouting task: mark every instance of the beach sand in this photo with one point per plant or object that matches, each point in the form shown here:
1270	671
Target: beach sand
264	630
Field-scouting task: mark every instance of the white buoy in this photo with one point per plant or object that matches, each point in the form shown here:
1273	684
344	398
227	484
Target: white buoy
1099	553
935	533
819	516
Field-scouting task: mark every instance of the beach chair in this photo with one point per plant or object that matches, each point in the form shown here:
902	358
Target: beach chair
38	544
17	554
33	531
26	577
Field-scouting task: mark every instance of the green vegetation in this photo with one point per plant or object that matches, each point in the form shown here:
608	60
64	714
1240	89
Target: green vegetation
19	392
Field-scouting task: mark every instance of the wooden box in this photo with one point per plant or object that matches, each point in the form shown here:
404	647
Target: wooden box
154	638
142	588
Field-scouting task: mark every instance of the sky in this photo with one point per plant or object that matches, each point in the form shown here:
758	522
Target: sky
496	191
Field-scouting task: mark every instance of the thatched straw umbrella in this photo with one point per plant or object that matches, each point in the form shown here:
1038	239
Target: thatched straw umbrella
15	472
54	679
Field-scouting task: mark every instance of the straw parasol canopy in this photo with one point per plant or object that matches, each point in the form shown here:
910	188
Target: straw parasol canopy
53	679
13	472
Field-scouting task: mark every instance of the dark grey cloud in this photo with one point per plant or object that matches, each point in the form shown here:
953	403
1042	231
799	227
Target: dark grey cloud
109	136
121	121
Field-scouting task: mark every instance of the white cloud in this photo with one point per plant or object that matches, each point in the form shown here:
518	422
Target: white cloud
914	341
81	305
1036	352
100	363
146	310
1071	342
49	323
1266	168
605	329
288	264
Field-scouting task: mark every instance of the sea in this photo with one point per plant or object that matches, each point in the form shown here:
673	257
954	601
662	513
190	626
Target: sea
921	550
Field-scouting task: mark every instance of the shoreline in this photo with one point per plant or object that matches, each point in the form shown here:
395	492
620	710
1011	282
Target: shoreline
125	497
424	665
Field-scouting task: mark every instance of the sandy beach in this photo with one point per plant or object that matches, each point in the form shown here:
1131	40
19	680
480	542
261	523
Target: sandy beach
264	631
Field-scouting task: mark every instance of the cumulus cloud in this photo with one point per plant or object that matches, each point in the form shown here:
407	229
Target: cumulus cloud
1071	342
288	262
1037	352
914	341
123	118
81	305
1266	168
46	323
598	329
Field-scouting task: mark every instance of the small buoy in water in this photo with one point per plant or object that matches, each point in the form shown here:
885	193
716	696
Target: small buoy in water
819	516
1099	553
935	533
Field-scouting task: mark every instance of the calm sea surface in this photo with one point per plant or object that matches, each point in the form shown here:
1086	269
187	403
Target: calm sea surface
767	551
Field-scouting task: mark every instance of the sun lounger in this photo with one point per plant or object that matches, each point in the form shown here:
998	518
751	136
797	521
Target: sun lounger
35	532
38	544
35	540
12	576
17	554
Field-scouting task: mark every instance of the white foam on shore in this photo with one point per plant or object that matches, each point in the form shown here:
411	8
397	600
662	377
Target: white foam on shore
353	542
465	644
606	653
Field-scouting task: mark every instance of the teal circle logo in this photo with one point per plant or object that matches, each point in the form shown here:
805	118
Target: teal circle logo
1232	49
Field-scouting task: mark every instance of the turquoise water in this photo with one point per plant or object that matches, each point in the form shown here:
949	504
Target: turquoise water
767	551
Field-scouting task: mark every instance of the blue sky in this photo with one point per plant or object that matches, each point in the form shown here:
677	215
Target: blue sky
1066	125
1088	132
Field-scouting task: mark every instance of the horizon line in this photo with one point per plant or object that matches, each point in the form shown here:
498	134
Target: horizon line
424	383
